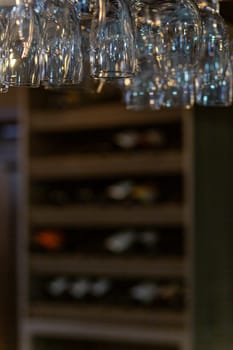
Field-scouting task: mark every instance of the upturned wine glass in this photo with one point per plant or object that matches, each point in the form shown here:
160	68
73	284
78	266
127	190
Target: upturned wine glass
214	73
75	69
168	33
112	42
61	43
23	41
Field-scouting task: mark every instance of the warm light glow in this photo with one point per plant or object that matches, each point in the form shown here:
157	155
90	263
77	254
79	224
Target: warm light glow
12	62
127	82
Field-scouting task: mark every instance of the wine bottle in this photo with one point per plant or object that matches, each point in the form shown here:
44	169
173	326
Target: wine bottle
120	242
119	191
163	294
145	193
57	288
148	242
79	289
125	191
145	293
151	138
85	195
133	192
112	291
133	139
89	289
58	196
101	289
133	242
48	240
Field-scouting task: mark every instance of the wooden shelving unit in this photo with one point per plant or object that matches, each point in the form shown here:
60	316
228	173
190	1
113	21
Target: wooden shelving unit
62	319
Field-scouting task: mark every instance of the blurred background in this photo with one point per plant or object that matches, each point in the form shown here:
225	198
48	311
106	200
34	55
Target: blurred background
116	226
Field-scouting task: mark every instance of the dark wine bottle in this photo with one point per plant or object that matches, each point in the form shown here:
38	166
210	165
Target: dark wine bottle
59	196
153	293
101	289
139	139
57	288
144	293
56	194
147	243
89	289
145	193
133	192
133	242
159	294
119	192
49	240
151	138
120	242
79	289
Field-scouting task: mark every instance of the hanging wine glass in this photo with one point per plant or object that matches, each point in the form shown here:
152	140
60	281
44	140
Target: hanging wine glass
62	43
143	91
214	74
24	46
75	69
24	17
112	43
181	29
168	33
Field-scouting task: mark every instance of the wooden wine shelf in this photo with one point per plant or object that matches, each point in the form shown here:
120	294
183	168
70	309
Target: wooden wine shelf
106	165
48	157
93	215
106	313
115	267
92	329
103	116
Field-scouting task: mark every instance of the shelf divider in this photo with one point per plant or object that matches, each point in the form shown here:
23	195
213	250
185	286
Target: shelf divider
168	214
110	164
107	266
102	116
